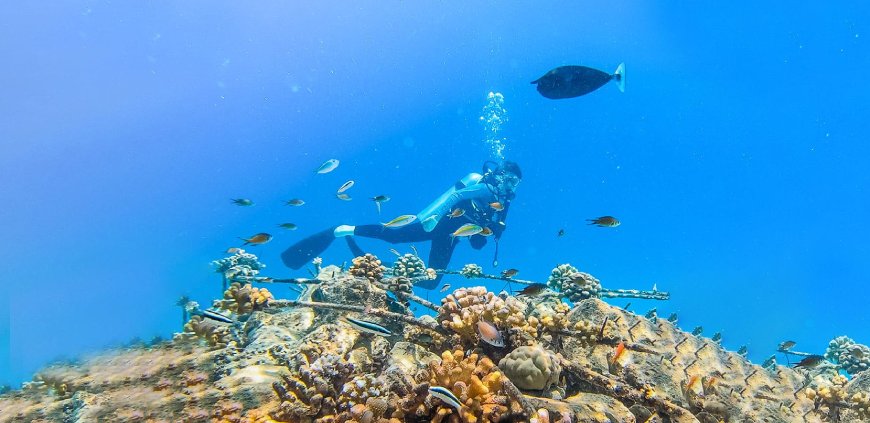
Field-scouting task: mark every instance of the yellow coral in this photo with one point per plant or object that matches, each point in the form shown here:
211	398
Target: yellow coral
475	381
244	299
213	333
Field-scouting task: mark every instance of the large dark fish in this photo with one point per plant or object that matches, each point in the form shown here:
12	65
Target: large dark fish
574	81
810	361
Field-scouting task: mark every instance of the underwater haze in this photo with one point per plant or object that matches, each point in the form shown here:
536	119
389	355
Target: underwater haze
735	159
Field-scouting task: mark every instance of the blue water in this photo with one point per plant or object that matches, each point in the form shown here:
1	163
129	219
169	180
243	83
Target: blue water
736	159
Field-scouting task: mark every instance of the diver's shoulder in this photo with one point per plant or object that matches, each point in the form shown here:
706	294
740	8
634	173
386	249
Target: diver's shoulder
472	178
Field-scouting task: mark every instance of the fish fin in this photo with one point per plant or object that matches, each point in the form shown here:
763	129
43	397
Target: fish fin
619	75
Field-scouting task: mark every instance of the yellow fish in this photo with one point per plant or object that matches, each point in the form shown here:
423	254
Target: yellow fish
467	229
400	221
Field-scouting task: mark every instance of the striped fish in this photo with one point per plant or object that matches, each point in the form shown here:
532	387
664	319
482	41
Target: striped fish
213	315
445	395
368	327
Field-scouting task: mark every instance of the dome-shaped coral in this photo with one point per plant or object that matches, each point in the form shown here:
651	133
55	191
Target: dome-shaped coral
531	367
560	276
409	266
581	286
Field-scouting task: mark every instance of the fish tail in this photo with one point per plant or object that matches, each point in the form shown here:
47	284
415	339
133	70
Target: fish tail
619	76
246	242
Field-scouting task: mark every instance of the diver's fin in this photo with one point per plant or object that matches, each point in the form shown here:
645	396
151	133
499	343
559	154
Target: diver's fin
302	252
619	76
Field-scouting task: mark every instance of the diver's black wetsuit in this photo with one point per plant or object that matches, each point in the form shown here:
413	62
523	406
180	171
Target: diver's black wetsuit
472	194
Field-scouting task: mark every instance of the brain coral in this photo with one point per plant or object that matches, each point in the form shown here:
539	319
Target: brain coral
531	367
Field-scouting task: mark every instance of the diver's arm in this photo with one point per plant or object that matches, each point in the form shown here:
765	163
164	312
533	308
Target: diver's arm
466	188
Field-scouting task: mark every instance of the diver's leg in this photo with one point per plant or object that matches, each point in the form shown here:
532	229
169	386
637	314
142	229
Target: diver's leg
439	257
354	247
302	252
408	233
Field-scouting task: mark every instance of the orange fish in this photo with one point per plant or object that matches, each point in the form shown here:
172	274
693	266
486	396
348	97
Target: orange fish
496	206
620	350
485	231
457	212
258	239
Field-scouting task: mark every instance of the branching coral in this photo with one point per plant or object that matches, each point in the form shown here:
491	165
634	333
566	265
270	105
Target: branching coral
238	264
369	267
245	299
560	276
830	395
531	367
471	271
461	311
475	381
213	333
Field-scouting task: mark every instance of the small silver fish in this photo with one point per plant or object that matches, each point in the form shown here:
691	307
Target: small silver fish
445	287
244	202
445	395
342	196
368	327
327	166
345	186
294	202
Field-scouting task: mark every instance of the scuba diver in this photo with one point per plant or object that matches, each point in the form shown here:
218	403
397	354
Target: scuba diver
481	199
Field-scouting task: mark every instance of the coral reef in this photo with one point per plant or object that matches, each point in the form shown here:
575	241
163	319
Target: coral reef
296	361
